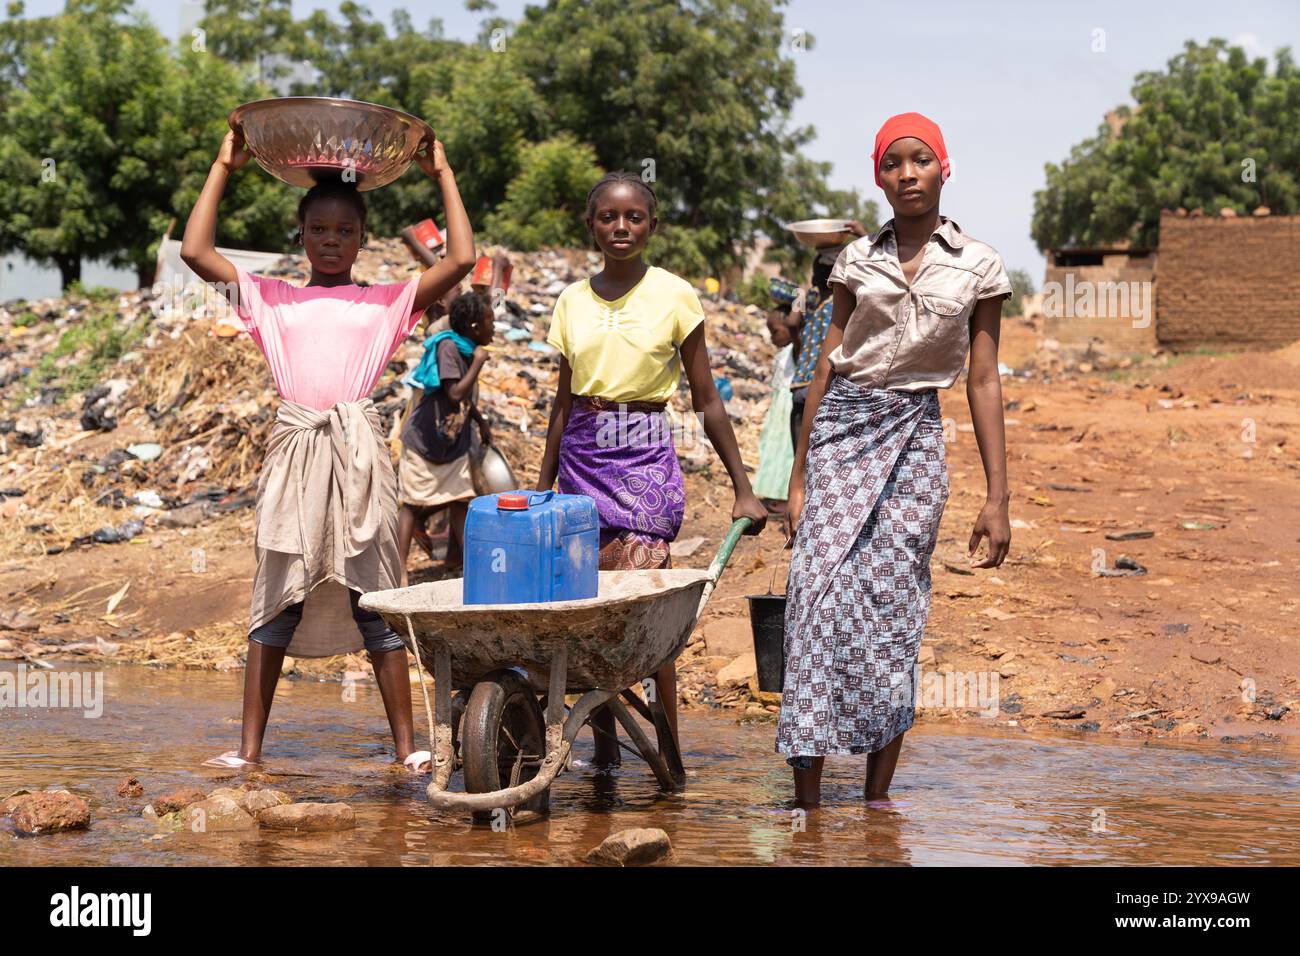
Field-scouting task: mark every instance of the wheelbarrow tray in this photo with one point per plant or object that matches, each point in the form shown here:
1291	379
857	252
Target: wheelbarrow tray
639	621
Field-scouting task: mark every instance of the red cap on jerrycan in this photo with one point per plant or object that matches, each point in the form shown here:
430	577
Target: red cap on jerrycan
512	502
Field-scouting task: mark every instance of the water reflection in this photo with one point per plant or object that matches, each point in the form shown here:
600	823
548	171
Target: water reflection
960	796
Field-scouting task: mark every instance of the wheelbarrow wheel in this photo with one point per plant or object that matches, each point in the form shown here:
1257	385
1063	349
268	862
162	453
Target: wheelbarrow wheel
503	737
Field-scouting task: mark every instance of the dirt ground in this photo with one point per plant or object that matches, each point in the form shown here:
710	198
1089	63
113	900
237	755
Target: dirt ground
1198	450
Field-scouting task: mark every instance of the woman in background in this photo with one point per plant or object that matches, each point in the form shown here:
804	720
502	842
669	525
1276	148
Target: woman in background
775	449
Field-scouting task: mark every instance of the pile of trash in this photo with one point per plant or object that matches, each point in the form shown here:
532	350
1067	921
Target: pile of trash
152	408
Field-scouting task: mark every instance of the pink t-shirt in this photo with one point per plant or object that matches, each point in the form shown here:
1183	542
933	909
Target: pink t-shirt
326	344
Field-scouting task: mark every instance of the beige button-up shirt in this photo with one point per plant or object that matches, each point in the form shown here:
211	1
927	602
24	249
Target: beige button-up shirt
912	338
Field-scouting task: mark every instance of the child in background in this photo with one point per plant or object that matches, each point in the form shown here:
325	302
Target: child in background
813	320
326	496
624	336
775	449
433	471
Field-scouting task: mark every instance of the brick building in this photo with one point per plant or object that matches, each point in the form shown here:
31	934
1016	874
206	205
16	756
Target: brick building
1212	281
1102	295
1228	281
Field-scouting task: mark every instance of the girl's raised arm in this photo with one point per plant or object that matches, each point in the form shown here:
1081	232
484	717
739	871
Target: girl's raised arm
198	247
459	260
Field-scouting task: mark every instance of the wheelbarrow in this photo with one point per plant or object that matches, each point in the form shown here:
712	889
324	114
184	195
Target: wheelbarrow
514	736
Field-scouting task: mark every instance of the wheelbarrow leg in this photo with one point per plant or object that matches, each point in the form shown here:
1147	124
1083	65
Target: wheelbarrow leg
660	766
443	755
667	741
655	713
555	698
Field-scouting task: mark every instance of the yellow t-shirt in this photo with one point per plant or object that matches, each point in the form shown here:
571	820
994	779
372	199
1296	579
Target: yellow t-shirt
626	350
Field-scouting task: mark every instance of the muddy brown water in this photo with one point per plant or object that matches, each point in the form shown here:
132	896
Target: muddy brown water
997	796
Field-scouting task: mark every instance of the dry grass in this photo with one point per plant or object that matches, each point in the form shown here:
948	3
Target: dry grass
214	388
64	520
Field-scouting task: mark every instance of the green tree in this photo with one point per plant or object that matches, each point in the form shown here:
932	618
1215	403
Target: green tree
247	31
546	203
694	93
1213	130
488	116
802	193
1022	284
16	33
62	154
359	59
698	88
104	136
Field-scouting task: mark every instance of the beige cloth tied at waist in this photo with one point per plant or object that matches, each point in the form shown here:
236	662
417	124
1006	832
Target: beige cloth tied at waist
326	522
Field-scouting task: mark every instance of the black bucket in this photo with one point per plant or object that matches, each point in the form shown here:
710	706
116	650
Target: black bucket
767	621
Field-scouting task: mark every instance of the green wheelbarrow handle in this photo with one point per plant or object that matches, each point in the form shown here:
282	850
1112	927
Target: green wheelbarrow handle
738	527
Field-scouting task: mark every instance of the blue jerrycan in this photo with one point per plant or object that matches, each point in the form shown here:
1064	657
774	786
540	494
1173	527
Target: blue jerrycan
531	546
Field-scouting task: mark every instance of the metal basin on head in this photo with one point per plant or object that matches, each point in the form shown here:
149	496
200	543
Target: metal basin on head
303	139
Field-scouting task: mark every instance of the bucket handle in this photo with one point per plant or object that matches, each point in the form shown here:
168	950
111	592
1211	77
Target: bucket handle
776	566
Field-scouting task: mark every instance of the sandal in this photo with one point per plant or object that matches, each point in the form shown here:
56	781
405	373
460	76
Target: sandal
230	760
418	761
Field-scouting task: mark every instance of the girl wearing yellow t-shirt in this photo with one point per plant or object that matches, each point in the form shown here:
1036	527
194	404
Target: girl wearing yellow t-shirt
624	337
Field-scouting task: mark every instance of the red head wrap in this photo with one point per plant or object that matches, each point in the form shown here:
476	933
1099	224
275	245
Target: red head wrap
911	124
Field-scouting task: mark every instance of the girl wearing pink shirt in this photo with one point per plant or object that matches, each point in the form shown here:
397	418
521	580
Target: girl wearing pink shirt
327	493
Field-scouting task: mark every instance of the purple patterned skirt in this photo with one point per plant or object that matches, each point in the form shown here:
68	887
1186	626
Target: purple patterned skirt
623	456
859	586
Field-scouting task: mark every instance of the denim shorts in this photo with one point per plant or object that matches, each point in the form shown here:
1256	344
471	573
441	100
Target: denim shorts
376	633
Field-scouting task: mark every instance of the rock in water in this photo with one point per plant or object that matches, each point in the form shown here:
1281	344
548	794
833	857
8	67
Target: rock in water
177	800
308	816
216	815
50	812
256	801
636	847
10	803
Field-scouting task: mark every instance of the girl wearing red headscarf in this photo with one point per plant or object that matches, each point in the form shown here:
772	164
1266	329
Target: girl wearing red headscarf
870	481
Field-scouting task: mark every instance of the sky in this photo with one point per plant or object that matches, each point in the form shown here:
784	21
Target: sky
1013	84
